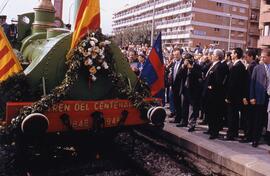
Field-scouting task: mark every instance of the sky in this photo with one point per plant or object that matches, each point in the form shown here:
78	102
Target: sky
107	8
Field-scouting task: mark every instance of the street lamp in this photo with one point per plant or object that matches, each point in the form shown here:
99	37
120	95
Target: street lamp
230	31
69	12
153	24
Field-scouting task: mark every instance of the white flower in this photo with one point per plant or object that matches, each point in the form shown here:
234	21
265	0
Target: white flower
94	39
107	42
92	43
105	65
94	78
98	67
88	62
101	52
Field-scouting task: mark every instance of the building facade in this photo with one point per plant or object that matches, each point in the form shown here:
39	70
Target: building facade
264	24
225	23
253	25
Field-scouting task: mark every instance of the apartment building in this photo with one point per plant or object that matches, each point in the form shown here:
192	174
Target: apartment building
225	23
264	24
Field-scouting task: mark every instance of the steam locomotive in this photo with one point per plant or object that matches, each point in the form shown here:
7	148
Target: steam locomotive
92	102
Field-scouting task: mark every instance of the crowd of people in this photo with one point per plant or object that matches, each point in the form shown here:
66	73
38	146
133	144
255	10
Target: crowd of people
225	89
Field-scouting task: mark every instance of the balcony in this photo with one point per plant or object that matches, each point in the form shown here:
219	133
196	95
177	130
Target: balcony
265	17
264	41
267	2
176	32
255	6
173	22
182	34
254	33
159	14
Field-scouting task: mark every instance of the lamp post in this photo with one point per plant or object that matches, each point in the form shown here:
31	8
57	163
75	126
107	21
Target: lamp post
153	24
69	12
230	31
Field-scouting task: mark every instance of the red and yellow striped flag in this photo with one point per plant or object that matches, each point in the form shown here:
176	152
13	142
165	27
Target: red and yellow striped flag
88	18
9	63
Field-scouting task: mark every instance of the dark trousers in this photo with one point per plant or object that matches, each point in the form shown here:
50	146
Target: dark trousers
247	114
178	106
256	122
172	109
194	115
186	104
233	120
195	107
213	113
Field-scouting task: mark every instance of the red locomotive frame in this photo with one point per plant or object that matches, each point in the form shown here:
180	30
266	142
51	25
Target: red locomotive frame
79	113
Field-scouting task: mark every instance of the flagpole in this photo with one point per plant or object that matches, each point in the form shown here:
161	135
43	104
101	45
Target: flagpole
153	24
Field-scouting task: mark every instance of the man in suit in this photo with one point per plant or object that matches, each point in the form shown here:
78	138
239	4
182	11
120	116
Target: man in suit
224	69
247	111
212	93
192	92
235	92
258	96
178	75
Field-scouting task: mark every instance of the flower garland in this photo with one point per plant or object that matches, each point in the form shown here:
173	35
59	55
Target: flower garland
96	56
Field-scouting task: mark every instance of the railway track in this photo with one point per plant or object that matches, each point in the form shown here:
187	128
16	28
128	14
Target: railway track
136	153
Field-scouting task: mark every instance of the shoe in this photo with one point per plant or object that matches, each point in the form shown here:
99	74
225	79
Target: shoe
254	144
245	141
191	129
181	125
174	121
172	115
203	123
213	137
229	138
206	132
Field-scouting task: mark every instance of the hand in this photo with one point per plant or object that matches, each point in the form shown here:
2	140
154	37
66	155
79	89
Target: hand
245	102
253	101
227	101
210	87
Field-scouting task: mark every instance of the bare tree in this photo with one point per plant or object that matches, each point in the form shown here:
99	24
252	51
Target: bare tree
136	35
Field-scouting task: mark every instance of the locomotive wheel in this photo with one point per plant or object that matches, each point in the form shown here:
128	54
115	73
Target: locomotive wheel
157	115
35	123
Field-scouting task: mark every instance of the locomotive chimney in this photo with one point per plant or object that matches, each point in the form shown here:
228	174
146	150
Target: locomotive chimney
44	16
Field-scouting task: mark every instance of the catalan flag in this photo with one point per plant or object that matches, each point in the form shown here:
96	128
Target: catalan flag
9	63
153	71
88	18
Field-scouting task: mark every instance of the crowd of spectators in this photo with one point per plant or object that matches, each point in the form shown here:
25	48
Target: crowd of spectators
224	89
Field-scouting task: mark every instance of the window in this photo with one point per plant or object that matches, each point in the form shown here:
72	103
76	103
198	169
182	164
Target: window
216	42
219	4
218	17
199	32
234	8
241	34
241	22
216	29
242	10
266	31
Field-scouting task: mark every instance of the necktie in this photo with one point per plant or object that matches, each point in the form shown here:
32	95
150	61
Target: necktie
175	69
267	78
209	69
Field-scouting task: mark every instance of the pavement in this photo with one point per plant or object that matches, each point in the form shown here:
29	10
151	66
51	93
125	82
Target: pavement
239	158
